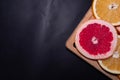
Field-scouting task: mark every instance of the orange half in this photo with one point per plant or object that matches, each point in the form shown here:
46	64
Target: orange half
108	10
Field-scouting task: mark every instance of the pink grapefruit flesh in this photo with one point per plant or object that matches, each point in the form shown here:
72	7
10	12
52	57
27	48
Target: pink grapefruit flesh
96	39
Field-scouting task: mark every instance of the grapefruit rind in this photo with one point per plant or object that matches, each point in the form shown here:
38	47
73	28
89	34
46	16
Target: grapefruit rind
99	56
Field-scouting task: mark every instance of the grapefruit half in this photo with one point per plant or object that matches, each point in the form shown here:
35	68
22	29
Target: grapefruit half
96	39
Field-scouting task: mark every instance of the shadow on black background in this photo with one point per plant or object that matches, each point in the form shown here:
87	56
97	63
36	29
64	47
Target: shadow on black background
32	39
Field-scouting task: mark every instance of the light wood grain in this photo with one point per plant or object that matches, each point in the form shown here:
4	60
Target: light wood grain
70	46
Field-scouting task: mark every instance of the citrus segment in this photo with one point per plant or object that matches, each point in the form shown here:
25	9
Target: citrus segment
96	39
112	64
107	10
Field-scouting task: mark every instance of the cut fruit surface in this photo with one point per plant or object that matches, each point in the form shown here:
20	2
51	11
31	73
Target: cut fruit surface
96	39
112	64
107	10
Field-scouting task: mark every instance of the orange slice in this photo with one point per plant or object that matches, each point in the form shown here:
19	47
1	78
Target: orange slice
108	10
112	64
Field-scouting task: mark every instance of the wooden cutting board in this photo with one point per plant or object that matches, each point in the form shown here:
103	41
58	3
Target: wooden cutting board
70	44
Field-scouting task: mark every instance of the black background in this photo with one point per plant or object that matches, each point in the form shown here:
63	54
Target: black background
33	34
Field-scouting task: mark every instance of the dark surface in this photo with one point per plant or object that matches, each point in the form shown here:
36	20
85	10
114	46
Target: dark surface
32	39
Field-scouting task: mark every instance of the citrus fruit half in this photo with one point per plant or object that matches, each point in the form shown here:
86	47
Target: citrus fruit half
107	10
112	64
96	39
